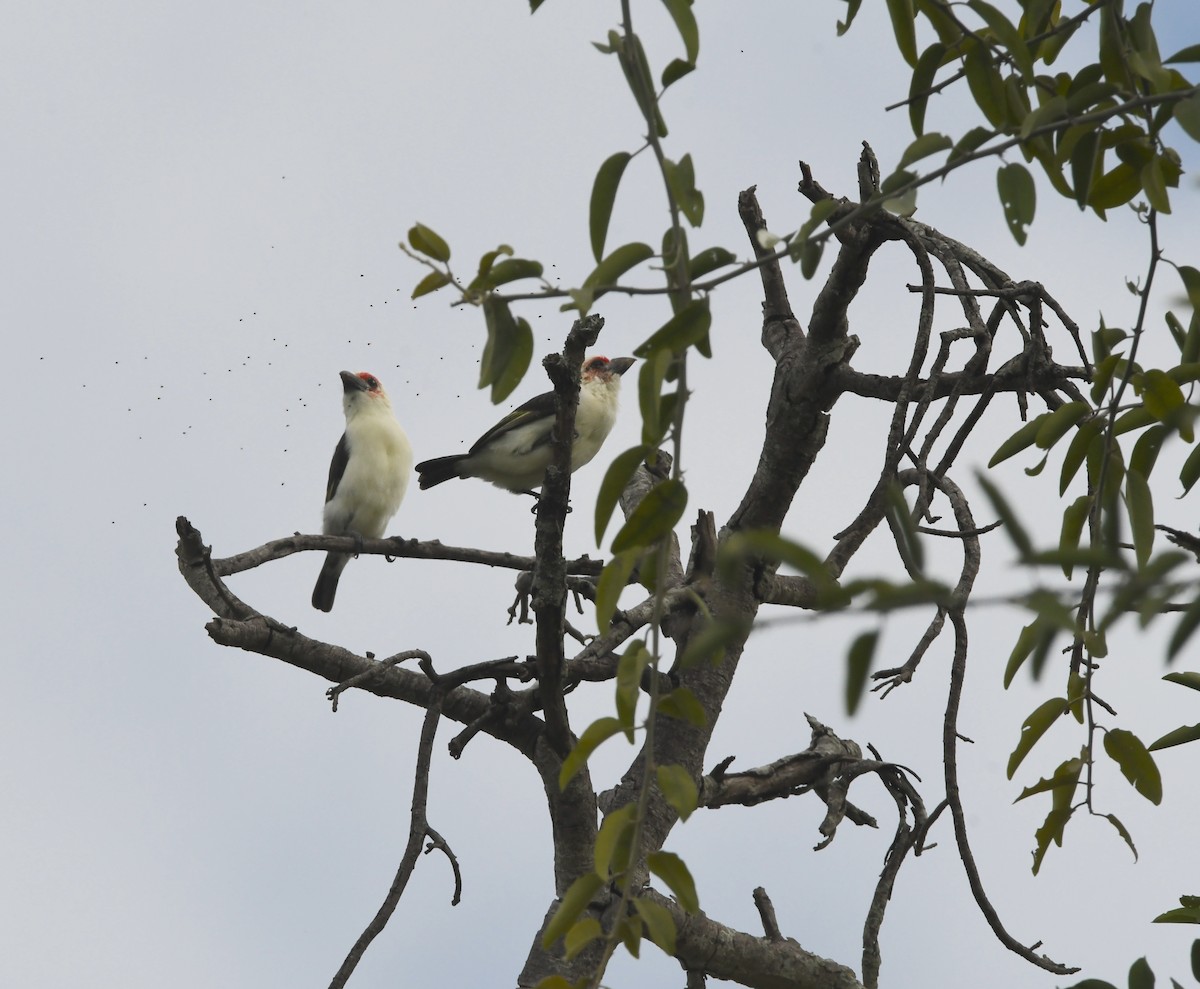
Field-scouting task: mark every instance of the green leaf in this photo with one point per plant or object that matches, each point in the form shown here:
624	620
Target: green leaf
619	473
904	27
1140	505
508	350
503	272
685	24
430	283
580	935
682	704
1092	984
1136	763
1077	453
858	668
1034	727
1059	422
687	327
904	530
670	868
574	902
604	195
1161	396
1014	529
1009	37
710	259
1062	783
1183	915
1020	440
711	644
1180	736
425	241
1018	196
621	260
1183	631
676	69
970	142
1140	975
611	582
599	731
656	516
1145	450
1189	54
679	789
1123	832
1154	184
987	88
1190	472
632	663
1114	188
660	925
1187	115
1085	157
922	81
1074	517
681	180
1191	680
614	841
923	147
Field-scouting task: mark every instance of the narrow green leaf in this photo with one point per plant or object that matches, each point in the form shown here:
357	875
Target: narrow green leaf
430	283
660	925
970	142
1092	984
611	582
1074	517
1183	631
1114	188
427	242
621	260
1077	452
1180	736
858	668
679	789
1189	679
1018	196
574	902
985	83
1145	450
629	930
712	643
1020	440
924	146
683	705
1085	158
1135	762
597	732
1014	529
1189	54
1061	783
688	326
604	195
904	530
904	27
1009	37
508	350
1162	396
503	272
1034	727
685	24
922	81
619	472
1059	422
1123	832
1190	472
656	516
580	935
613	841
681	180
676	69
1191	284
1183	915
632	663
1051	831
710	259
670	868
1140	505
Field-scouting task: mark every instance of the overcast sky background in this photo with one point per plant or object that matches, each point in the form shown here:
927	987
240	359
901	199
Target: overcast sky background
200	207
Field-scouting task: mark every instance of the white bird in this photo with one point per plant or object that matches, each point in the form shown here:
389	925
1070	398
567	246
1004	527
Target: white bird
367	477
515	453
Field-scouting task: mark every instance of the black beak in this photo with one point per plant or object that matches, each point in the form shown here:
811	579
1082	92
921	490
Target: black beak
352	382
621	364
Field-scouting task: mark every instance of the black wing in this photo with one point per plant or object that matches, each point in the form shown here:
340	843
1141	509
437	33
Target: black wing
539	407
337	467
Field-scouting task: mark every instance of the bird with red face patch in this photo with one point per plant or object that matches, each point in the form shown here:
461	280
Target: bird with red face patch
515	453
367	477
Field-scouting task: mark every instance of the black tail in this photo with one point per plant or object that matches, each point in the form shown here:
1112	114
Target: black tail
439	469
327	580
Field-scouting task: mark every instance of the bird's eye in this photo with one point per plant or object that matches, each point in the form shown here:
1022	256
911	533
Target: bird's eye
372	382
